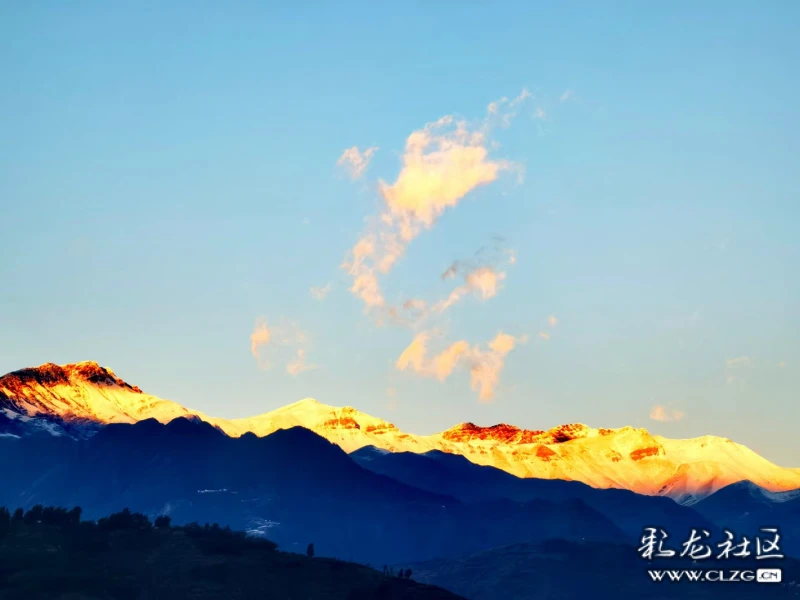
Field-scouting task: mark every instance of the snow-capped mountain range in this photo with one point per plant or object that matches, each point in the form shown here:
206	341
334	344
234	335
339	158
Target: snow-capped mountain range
77	399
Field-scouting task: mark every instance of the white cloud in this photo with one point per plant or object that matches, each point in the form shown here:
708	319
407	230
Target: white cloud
356	162
739	362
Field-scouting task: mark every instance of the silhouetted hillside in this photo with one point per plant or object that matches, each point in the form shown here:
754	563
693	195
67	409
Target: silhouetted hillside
124	558
292	484
453	475
744	506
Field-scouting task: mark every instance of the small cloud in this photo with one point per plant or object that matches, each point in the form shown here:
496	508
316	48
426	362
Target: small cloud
260	337
739	362
299	365
552	320
566	95
494	107
539	114
355	161
781	365
662	413
319	293
505	110
545	336
276	340
484	282
484	364
482	276
451	271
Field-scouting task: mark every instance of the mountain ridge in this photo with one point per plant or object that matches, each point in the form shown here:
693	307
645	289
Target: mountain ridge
77	399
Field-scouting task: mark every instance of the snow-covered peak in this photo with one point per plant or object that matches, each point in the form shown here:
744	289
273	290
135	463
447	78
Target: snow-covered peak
62	398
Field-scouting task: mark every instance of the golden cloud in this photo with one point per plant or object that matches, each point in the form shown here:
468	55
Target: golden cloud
662	413
259	337
484	364
484	282
442	163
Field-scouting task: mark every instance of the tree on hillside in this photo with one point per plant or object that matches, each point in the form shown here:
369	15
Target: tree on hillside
34	515
19	514
162	522
124	520
310	551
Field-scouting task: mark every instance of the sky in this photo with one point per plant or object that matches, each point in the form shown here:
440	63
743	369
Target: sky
531	213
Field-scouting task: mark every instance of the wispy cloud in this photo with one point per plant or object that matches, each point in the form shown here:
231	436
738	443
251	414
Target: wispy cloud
663	413
299	365
320	293
739	362
544	335
503	111
275	341
258	338
566	95
552	320
737	370
483	282
356	162
442	163
540	114
484	364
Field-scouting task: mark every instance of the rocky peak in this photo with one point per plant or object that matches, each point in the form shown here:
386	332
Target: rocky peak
502	432
50	375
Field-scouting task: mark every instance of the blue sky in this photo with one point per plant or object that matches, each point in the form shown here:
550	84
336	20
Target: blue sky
168	175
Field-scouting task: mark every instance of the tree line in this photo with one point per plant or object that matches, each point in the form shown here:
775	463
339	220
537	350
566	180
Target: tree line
127	520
